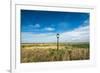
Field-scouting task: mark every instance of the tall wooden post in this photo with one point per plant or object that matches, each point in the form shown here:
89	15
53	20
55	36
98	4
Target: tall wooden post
57	41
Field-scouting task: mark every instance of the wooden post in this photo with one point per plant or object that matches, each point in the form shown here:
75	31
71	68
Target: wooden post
57	41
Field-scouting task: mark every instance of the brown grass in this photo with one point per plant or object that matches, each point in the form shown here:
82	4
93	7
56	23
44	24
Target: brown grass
46	53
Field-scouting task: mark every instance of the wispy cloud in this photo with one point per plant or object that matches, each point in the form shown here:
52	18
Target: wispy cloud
80	34
33	26
86	22
36	25
49	29
37	38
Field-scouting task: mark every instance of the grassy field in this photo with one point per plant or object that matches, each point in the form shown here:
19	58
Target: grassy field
44	52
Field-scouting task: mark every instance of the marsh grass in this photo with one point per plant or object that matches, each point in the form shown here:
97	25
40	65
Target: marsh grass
67	53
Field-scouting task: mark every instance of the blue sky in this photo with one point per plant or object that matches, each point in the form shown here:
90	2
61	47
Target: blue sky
42	26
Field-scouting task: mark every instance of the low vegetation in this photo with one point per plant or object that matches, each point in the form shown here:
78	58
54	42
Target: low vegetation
48	52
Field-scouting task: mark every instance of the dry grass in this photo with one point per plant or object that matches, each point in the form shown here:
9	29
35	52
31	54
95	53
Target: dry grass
48	52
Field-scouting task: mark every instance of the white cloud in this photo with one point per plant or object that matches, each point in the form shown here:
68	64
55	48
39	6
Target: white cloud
37	25
37	38
34	26
80	34
49	29
86	22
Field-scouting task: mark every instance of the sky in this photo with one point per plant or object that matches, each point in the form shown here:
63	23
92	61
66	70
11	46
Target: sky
42	26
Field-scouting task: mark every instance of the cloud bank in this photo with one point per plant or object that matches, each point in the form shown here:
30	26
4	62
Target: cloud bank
80	34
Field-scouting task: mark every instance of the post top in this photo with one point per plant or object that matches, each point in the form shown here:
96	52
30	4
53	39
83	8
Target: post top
57	35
